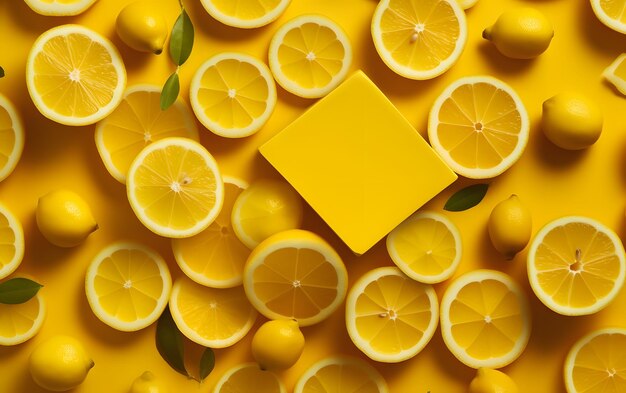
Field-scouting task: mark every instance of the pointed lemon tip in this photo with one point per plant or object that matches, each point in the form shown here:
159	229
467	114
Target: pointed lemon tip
487	33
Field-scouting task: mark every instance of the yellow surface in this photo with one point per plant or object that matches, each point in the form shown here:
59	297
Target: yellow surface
551	182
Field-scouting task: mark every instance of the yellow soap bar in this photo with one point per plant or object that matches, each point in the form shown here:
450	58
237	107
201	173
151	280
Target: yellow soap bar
358	162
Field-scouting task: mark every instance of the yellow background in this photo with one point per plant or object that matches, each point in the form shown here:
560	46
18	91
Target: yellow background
551	181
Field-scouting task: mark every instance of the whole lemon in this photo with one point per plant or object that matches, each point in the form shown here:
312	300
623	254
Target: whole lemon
148	383
64	218
492	381
521	33
278	344
142	26
571	120
60	363
510	226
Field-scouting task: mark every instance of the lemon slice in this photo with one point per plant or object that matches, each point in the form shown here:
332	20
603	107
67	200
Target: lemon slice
11	137
310	55
59	7
21	322
419	39
596	363
74	75
485	320
611	13
479	126
245	14
214	318
215	257
137	122
248	377
233	95
175	188
616	73
341	375
295	274
11	242
426	247
128	286
576	265
390	317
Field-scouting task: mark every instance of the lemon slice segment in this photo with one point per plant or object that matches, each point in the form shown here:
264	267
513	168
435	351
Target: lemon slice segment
59	7
479	126
341	375
611	13
616	73
576	265
128	286
11	137
310	55
74	75
11	242
419	39
21	322
137	122
239	379
245	14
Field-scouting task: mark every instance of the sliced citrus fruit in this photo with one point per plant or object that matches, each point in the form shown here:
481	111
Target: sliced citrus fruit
616	73
479	126
295	274
11	137
11	242
265	208
245	14
59	7
390	317
128	286
137	122
576	265
341	375
426	247
596	363
419	39
248	377
485	320
21	322
74	75
215	257
611	13
233	94
175	188
310	55
212	317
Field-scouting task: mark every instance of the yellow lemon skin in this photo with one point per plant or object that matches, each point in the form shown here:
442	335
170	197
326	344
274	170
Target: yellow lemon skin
60	363
142	26
510	226
64	218
521	33
492	381
278	344
148	383
571	120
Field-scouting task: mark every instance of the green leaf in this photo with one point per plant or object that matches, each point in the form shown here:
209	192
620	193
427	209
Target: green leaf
1	72
181	40
169	342
170	91
466	198
18	290
207	362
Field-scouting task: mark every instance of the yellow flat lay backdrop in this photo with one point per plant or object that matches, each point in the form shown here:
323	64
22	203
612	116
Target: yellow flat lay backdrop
552	182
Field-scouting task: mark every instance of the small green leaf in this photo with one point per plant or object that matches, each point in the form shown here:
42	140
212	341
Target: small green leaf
466	198
207	362
181	40
18	290
169	342
170	91
1	72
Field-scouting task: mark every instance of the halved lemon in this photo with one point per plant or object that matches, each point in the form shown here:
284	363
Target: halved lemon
137	122
248	377
576	265
233	94
74	75
245	14
310	55
479	126
11	137
215	257
485	320
175	187
295	274
616	73
128	286
596	363
419	39
611	13
11	242
341	375
21	322
214	318
426	247
59	7
390	317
